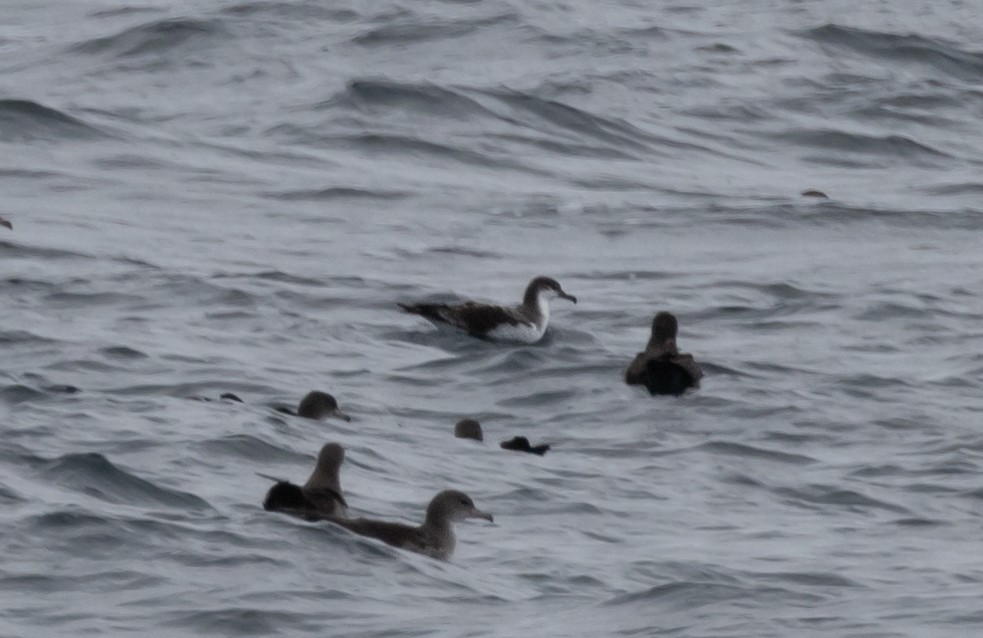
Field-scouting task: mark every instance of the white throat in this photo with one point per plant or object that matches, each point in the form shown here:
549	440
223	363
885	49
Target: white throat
543	303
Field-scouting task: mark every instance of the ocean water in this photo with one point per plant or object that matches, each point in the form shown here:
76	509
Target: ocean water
233	196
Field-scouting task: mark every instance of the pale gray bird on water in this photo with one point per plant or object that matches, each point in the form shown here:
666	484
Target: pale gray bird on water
661	367
320	496
525	322
435	538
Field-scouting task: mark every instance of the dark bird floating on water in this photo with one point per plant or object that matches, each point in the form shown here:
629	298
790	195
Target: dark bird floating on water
662	368
468	429
4	222
315	405
521	444
525	322
320	496
435	538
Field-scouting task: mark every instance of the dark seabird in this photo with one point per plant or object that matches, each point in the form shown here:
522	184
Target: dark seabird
4	222
320	496
435	537
468	429
662	368
525	322
521	444
814	193
317	405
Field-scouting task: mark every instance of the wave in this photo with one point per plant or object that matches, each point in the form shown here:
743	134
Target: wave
302	11
533	111
960	188
730	448
25	120
244	446
153	37
391	144
368	94
95	475
235	621
23	337
827	213
528	119
64	299
826	496
336	193
861	150
414	31
19	393
944	57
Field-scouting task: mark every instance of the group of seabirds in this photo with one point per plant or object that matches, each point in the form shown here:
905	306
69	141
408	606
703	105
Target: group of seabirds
661	368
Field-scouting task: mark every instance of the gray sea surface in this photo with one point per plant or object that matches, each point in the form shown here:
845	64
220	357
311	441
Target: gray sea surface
232	196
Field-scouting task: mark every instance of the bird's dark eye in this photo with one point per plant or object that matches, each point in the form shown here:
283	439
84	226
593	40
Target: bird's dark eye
464	501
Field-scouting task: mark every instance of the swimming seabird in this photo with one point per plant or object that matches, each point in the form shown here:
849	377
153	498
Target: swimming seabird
662	368
435	538
525	322
468	429
521	444
4	222
317	405
320	496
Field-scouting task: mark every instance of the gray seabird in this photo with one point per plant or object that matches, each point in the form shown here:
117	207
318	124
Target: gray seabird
435	538
525	322
468	429
662	368
320	496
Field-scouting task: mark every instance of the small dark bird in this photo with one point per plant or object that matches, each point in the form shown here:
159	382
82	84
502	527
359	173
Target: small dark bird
661	368
521	444
468	429
4	222
435	538
317	405
320	496
814	193
525	322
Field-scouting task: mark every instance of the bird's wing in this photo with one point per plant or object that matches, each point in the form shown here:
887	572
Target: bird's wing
635	374
395	534
689	364
475	318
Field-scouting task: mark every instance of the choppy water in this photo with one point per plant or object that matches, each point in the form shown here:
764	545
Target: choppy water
232	196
